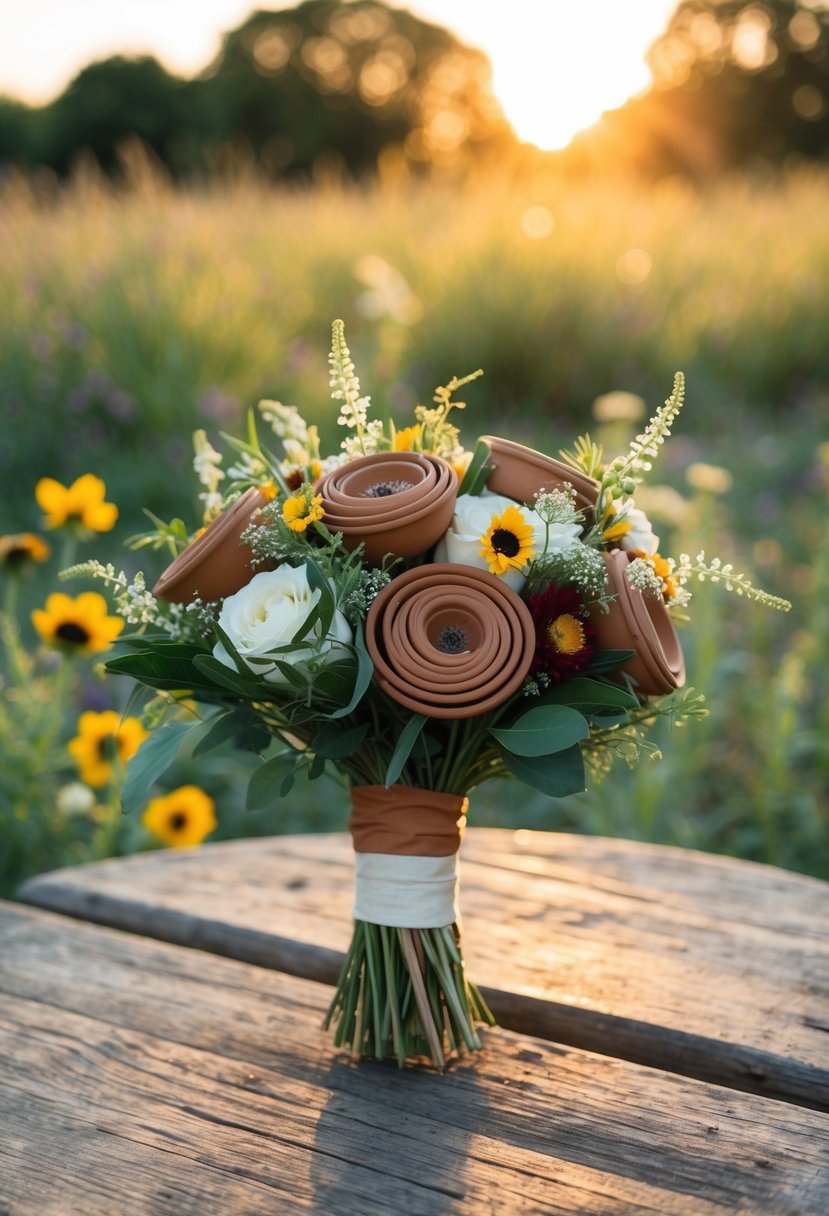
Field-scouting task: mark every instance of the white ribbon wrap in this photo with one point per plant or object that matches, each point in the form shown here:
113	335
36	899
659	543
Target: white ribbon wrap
406	892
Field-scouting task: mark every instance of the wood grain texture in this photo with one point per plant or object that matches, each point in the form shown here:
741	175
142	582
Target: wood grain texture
702	965
140	1078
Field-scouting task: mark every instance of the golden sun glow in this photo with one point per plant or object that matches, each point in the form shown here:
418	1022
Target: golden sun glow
557	65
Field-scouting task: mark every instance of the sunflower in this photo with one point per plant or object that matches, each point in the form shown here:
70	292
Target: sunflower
564	638
507	545
103	740
24	547
302	509
80	625
181	818
81	504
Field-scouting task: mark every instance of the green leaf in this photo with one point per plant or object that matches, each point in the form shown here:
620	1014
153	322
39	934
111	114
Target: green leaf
316	768
403	747
335	742
219	673
155	754
557	776
595	699
238	727
607	660
266	782
477	470
543	730
365	670
326	605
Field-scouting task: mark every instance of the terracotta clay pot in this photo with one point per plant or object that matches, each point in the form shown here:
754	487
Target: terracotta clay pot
392	502
641	623
216	564
449	641
406	821
519	472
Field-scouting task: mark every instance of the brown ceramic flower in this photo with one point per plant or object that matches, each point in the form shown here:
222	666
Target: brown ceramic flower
216	563
392	502
641	623
519	472
449	641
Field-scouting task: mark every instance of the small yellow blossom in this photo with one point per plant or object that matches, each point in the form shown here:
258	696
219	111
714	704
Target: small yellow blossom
507	545
302	509
613	527
81	504
102	740
268	490
181	818
566	634
81	625
18	550
407	439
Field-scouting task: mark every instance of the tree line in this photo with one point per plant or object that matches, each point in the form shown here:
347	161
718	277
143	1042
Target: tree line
345	85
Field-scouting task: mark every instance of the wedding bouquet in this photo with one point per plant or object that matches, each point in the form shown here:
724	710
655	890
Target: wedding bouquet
418	619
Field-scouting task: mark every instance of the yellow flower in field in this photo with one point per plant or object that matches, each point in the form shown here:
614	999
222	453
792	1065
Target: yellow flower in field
81	504
302	509
508	544
268	490
80	625
24	547
181	818
102	740
408	439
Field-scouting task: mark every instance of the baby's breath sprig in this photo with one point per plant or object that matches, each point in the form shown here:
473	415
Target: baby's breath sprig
207	465
130	597
716	571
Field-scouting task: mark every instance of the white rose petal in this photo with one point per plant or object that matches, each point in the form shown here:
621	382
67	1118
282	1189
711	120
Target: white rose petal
267	613
473	515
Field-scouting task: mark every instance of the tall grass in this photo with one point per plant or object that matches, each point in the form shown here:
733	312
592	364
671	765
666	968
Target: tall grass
129	318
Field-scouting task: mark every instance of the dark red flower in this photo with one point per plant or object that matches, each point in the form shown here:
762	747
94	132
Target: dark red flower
564	637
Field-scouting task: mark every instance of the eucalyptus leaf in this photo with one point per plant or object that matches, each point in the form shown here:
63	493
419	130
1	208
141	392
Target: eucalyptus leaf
267	780
608	660
543	730
365	670
403	747
335	742
557	776
597	700
156	753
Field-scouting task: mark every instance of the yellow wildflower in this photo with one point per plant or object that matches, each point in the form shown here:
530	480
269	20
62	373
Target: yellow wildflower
302	509
81	504
408	439
23	547
80	625
181	818
102	740
614	527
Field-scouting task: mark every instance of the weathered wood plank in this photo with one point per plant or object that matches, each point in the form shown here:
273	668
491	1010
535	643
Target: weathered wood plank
141	1077
698	964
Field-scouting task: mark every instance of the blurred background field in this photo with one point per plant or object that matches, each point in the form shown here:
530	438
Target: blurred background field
138	305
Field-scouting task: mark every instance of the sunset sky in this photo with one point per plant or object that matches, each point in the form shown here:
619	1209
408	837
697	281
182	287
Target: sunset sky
557	63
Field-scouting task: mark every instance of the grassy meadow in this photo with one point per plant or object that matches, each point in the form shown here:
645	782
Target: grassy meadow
128	318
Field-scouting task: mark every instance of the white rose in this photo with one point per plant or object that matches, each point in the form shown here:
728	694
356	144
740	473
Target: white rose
640	534
473	515
267	613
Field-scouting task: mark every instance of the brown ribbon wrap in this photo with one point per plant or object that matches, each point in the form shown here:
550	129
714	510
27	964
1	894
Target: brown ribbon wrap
406	821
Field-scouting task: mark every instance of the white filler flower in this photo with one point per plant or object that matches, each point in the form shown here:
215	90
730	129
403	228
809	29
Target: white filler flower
268	613
471	521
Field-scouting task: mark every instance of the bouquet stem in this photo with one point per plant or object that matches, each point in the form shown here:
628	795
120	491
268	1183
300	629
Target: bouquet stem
403	994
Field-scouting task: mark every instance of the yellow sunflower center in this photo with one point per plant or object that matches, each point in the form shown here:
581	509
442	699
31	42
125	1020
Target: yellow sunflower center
178	821
72	632
566	634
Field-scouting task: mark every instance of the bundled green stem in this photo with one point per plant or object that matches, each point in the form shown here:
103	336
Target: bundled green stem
403	995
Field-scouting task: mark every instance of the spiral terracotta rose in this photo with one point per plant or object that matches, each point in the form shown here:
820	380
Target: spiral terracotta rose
449	641
392	502
216	564
520	472
641	623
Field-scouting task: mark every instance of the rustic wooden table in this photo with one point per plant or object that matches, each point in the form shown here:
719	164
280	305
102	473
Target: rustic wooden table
663	1047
